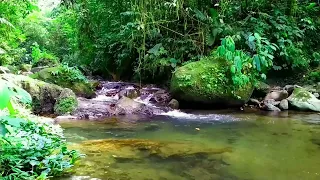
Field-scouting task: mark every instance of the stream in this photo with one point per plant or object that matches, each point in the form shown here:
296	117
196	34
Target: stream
198	145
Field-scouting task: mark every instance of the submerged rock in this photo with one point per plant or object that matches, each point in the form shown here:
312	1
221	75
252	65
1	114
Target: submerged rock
150	148
301	99
47	98
206	82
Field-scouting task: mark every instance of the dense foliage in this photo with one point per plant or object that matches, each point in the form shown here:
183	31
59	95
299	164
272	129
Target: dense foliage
146	40
29	149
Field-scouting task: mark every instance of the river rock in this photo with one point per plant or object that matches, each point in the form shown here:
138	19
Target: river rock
261	90
37	69
254	102
174	104
127	106
161	97
289	89
205	83
277	95
301	99
47	98
25	67
4	70
269	107
93	108
284	104
130	92
271	101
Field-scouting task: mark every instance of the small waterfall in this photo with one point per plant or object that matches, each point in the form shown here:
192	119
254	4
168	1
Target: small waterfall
145	101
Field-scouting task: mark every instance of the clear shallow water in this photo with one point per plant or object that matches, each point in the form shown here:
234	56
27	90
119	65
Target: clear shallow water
223	145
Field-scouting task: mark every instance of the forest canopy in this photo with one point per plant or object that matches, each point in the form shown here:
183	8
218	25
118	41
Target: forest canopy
146	40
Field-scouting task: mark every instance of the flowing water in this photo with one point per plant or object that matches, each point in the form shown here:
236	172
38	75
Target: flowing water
198	146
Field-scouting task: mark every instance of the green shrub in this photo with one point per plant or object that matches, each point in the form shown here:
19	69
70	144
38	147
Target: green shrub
29	149
42	58
70	74
313	76
65	105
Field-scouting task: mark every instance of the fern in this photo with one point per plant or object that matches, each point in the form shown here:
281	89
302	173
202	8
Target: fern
5	22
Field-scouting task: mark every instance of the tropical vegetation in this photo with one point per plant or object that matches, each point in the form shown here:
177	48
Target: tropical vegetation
232	44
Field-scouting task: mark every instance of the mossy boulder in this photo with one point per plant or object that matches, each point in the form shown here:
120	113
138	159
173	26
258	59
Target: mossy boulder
25	67
54	75
47	98
207	82
302	99
261	90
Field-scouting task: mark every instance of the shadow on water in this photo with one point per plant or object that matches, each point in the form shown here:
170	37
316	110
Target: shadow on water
199	146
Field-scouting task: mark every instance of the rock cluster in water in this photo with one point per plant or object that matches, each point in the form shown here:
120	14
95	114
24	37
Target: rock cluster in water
119	98
292	97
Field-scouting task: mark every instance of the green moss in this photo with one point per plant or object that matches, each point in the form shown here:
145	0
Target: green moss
25	67
65	106
207	81
302	94
66	79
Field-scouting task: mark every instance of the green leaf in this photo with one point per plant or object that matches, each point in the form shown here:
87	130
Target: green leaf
5	94
263	76
214	14
14	122
3	129
230	44
256	62
200	15
251	38
257	36
22	95
270	56
233	69
238	63
221	50
229	56
155	49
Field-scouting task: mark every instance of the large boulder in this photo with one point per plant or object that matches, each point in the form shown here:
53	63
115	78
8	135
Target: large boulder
52	75
302	99
47	98
207	83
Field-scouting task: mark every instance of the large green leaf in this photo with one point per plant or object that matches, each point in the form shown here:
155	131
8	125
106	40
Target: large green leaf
256	62
3	130
5	94
22	95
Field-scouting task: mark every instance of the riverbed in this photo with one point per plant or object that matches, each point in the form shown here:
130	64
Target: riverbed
219	145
